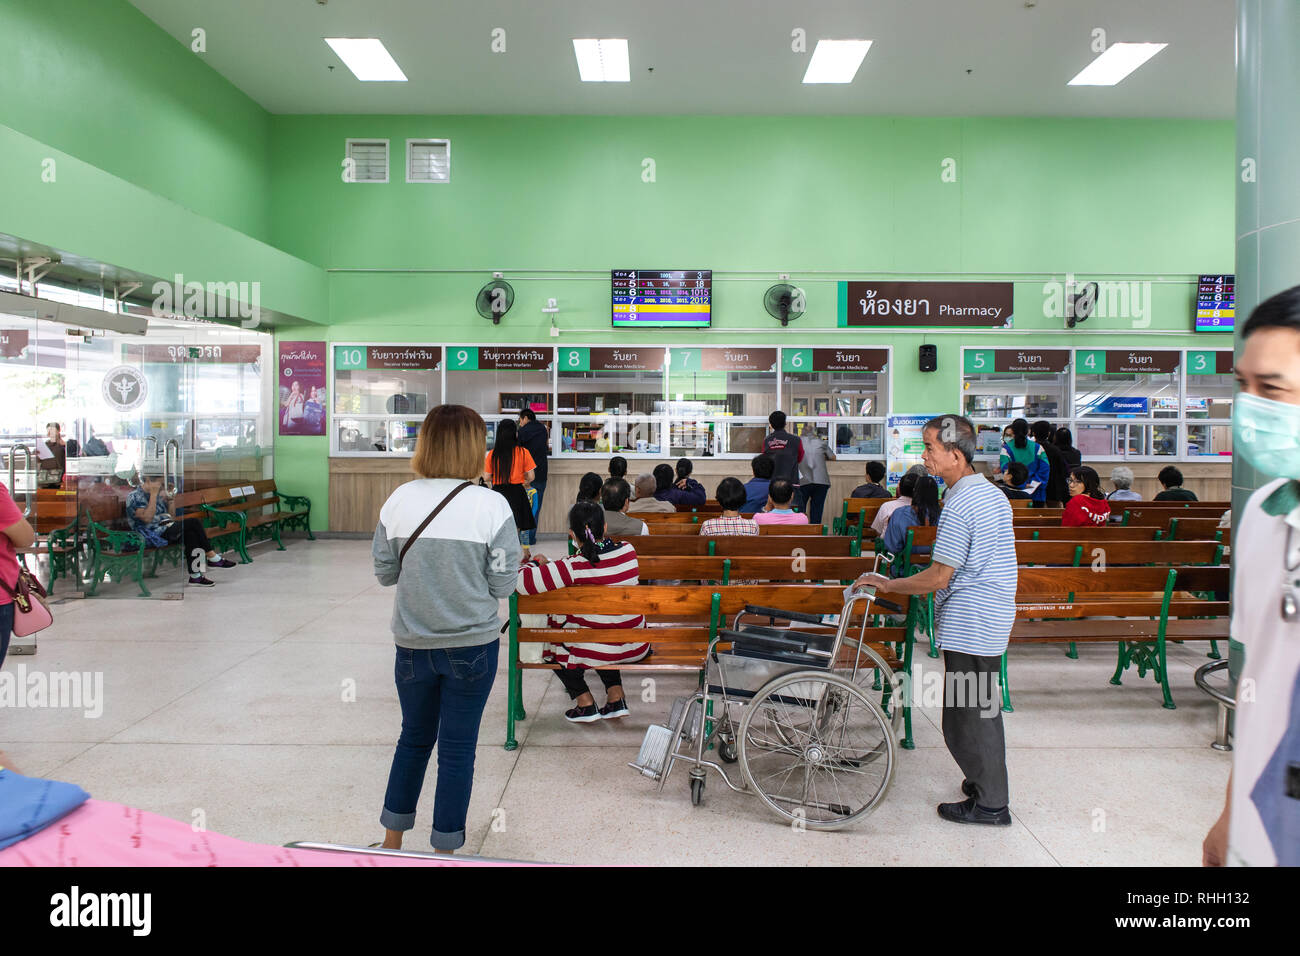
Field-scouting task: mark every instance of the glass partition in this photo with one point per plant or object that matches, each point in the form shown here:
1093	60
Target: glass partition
379	390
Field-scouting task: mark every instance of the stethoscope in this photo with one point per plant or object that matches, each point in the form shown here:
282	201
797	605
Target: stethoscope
1291	577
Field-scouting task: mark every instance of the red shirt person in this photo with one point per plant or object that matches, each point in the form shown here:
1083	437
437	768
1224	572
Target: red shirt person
1087	506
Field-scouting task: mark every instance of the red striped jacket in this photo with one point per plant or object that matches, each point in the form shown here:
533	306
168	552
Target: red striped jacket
617	566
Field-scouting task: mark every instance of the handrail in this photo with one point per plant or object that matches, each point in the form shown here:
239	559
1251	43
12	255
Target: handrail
174	488
1225	701
27	466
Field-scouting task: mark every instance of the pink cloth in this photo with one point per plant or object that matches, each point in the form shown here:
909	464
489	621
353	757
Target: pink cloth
111	834
9	516
781	517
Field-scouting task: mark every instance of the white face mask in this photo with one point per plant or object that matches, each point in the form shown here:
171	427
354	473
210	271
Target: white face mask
1267	433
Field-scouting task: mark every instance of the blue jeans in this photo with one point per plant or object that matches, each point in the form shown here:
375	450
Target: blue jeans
541	492
442	693
6	626
814	497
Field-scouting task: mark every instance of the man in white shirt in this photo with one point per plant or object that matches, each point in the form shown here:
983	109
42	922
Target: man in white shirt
1260	823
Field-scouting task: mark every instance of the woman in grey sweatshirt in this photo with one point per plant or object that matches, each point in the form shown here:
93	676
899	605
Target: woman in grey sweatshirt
450	575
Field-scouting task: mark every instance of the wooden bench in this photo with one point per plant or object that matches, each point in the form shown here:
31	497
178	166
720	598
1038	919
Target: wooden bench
116	551
1069	605
687	527
726	570
1189	529
684	620
223	530
56	522
853	511
730	545
247	504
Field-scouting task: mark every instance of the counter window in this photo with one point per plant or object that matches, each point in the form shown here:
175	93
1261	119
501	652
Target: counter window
381	395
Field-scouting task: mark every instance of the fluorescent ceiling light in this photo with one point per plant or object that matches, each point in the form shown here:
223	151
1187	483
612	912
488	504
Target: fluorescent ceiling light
836	61
368	60
602	61
1119	60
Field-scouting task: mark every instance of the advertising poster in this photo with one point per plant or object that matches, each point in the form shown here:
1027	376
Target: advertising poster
904	446
302	388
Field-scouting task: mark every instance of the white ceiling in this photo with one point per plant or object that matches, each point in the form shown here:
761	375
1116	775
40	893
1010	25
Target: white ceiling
719	56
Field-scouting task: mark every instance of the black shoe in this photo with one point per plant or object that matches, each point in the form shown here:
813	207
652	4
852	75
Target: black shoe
199	581
582	715
968	811
221	563
614	709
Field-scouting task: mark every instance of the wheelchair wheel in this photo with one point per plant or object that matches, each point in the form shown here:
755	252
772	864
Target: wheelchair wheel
816	749
697	791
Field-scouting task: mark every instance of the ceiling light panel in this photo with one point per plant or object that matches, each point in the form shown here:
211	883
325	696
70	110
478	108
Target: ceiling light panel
602	61
836	61
1119	60
368	59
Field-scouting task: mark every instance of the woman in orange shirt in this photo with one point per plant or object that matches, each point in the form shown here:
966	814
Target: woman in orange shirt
1087	506
508	467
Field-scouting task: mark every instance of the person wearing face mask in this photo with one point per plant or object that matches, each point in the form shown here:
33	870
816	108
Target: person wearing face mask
1260	823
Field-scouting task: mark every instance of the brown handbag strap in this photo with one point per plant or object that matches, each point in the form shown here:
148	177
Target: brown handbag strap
425	523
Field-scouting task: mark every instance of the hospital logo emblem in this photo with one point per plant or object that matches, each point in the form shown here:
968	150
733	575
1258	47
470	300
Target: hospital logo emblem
125	388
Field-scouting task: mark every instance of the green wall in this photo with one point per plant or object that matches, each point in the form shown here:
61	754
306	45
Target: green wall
99	80
558	201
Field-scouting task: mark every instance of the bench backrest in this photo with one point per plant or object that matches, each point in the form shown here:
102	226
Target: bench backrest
750	568
729	545
1194	528
690	601
1118	552
687	527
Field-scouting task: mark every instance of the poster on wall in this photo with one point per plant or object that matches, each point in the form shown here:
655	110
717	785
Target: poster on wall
302	388
904	446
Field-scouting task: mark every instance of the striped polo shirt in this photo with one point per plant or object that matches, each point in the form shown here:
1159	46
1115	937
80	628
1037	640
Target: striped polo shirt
975	612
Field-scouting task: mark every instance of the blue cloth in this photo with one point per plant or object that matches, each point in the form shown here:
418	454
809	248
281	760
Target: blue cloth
29	804
442	693
139	498
975	612
755	495
1035	461
895	535
540	488
1278	805
692	495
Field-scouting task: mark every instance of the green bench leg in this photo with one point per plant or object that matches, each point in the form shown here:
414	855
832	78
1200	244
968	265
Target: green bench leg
908	742
1073	652
1162	675
275	533
1214	654
1006	686
514	678
1121	663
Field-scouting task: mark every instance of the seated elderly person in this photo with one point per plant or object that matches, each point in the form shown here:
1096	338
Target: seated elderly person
615	494
1122	479
645	499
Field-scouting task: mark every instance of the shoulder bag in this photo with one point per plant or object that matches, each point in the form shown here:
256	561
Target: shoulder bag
31	613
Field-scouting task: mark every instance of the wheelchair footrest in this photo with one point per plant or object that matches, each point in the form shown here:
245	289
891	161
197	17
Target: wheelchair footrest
652	760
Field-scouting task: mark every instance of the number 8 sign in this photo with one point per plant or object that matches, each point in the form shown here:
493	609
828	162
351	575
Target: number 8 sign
575	360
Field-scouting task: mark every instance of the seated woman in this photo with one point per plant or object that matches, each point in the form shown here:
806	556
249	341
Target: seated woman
1087	506
731	497
589	487
598	561
677	488
922	510
1122	478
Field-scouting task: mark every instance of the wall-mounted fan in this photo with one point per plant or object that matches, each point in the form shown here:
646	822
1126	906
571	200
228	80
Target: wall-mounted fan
495	299
785	302
1079	306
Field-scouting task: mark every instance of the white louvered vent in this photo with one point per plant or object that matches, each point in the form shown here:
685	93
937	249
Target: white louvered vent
369	160
428	160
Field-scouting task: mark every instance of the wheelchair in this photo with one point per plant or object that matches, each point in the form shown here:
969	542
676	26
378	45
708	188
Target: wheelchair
791	710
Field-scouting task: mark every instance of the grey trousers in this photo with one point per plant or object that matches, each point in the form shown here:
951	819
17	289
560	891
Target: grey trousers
972	725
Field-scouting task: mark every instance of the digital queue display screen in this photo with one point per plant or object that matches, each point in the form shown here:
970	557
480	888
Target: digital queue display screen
662	298
1215	303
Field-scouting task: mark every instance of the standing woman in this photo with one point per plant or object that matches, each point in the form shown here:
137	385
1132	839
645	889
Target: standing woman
15	533
452	549
1029	453
507	468
1087	506
814	478
1065	444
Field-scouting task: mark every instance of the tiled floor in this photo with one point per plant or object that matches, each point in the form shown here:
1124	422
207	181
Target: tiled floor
266	705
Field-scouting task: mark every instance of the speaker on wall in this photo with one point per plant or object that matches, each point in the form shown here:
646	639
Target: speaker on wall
929	358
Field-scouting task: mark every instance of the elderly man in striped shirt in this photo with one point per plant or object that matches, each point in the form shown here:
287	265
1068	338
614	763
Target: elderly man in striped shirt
973	578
